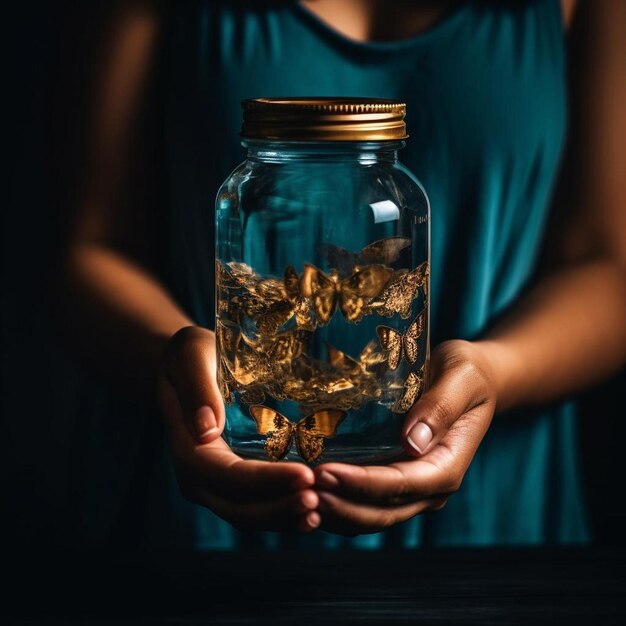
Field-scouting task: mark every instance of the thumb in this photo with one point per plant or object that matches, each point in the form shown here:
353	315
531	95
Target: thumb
458	386
190	369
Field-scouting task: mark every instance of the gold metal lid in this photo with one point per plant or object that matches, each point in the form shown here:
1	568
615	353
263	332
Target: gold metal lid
324	119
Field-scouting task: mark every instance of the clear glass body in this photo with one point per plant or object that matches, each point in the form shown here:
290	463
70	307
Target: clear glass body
322	308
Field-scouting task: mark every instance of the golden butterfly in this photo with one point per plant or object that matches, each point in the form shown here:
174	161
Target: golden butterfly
235	275
282	347
309	433
241	361
368	359
413	387
317	383
233	376
272	303
251	394
395	344
362	373
351	294
292	304
383	251
264	301
253	367
399	292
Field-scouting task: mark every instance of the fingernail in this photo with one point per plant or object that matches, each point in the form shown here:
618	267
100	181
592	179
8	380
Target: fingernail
204	422
309	500
313	519
326	479
420	436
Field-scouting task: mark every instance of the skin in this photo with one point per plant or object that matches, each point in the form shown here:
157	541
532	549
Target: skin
570	325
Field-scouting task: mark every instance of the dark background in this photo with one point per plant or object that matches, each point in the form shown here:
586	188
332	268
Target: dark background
47	400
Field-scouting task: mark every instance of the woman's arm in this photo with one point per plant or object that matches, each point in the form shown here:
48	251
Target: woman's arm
567	333
122	317
118	314
570	332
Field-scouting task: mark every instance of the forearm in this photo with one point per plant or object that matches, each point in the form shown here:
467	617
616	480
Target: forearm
568	333
118	316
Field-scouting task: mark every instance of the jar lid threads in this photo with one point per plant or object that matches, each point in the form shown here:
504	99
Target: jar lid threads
324	119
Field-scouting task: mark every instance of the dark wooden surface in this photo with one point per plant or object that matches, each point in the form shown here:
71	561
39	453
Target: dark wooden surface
565	586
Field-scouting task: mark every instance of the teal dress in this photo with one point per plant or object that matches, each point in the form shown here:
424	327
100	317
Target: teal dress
486	102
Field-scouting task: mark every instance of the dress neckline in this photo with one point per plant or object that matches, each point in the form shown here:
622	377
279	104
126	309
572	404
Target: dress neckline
427	36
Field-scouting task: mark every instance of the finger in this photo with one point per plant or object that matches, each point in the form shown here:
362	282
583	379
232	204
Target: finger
344	517
295	512
191	372
391	485
218	469
458	387
309	522
214	466
175	421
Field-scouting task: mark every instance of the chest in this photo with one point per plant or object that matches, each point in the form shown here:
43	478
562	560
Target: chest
486	116
483	82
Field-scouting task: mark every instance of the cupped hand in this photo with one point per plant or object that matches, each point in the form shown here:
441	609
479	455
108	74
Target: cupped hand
251	495
441	434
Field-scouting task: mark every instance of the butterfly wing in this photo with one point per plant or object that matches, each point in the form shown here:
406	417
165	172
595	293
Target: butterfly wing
273	317
301	308
424	271
292	282
277	428
370	356
397	296
412	388
223	278
223	382
270	290
228	336
286	346
339	258
234	275
251	363
253	395
242	275
229	307
385	251
411	338
237	364
304	315
310	447
313	429
341	361
391	342
243	371
364	283
267	305
321	289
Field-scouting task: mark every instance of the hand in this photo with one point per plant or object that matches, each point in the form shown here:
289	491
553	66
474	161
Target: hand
251	495
441	434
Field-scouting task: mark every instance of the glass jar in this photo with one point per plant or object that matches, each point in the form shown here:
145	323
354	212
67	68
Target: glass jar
322	275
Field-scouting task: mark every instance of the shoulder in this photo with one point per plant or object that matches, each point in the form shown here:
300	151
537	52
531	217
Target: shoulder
568	8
